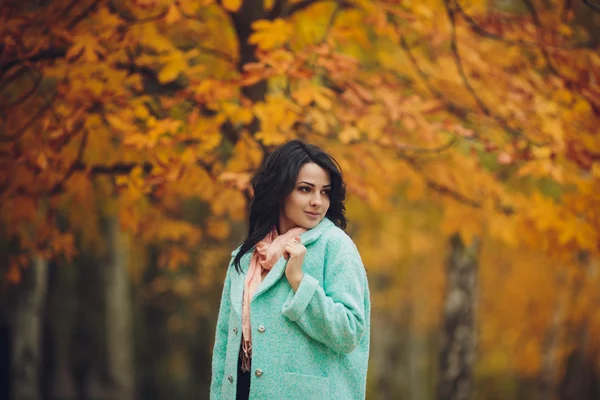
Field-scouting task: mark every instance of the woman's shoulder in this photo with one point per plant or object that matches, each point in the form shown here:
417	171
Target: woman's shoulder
236	251
337	241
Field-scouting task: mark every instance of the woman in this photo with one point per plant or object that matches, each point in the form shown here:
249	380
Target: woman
294	315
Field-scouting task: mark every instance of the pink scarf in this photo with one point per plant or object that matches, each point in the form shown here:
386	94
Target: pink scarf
267	252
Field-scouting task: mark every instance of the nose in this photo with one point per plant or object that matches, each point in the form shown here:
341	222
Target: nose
315	200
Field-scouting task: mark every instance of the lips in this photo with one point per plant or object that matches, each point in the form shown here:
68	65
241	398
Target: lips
312	215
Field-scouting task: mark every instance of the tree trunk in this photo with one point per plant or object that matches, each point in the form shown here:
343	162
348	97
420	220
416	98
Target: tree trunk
59	327
388	368
550	348
458	345
417	355
581	375
118	317
87	339
27	332
581	378
249	12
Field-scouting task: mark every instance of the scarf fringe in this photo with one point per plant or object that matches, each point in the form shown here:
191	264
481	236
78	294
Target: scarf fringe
246	355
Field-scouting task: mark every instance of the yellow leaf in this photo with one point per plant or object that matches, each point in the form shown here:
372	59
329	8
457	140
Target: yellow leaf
271	138
566	30
173	15
232	5
88	46
118	123
170	72
42	161
541	152
269	35
348	134
308	93
596	170
141	112
304	95
268	4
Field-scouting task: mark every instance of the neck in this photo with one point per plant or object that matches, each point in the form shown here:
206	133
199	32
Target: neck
283	226
282	229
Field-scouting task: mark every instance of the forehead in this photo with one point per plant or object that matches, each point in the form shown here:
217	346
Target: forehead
313	173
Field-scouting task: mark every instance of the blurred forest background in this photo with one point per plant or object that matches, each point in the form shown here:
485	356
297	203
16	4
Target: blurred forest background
467	130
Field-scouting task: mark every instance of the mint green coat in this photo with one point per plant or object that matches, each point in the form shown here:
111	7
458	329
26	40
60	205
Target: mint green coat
312	344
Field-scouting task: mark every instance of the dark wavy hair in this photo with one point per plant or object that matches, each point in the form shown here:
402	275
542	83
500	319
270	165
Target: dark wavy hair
276	179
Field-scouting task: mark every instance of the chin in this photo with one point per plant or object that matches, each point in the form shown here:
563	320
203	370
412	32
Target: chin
311	224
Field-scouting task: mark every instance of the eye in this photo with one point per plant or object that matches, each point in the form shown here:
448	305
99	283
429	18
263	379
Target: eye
304	189
326	192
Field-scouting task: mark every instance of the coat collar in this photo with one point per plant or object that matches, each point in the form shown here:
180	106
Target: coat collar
237	280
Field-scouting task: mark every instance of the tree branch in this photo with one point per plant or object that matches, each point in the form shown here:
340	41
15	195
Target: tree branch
133	19
58	186
276	10
592	5
425	150
459	65
82	15
48	54
479	30
449	192
595	105
287	11
458	61
17	135
21	99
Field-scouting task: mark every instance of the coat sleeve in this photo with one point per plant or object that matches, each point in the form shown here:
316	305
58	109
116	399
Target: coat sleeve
335	313
220	347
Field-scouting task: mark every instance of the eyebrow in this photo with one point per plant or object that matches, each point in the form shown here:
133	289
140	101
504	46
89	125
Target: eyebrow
313	185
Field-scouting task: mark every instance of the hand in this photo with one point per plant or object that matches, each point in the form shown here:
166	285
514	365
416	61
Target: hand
294	251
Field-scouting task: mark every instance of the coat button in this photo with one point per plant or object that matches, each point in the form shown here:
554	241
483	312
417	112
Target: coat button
235	330
258	372
230	379
261	328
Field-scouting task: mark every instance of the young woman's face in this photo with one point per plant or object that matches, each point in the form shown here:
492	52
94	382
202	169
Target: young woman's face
308	203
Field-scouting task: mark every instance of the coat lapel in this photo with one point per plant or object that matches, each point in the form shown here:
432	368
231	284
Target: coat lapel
237	282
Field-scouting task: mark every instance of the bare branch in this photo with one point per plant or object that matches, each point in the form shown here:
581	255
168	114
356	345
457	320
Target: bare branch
459	65
82	15
217	53
48	54
276	10
478	29
67	10
448	191
454	108
592	5
17	135
594	104
21	99
132	19
291	9
425	150
58	186
116	169
458	61
438	187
